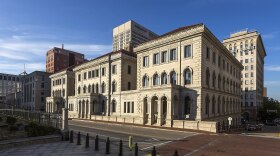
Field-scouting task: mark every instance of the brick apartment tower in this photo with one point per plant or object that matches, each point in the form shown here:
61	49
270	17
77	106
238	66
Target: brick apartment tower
60	58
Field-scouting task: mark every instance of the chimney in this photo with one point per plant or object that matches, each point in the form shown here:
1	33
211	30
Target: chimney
62	47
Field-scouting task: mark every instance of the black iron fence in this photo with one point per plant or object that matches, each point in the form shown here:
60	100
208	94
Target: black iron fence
42	118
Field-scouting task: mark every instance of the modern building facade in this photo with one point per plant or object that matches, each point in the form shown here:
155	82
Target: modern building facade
59	58
8	84
36	86
185	78
130	34
248	48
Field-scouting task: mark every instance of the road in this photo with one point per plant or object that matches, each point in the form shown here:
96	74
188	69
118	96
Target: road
145	137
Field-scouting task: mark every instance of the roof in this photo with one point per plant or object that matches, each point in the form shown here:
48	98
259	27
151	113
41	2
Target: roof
175	31
111	53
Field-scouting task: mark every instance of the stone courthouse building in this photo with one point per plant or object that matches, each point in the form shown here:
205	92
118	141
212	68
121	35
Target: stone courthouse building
185	78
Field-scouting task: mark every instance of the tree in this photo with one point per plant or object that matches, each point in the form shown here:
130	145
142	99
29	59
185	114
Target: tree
270	109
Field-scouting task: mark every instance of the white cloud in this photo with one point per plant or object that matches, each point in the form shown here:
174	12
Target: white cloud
18	50
271	35
272	83
272	68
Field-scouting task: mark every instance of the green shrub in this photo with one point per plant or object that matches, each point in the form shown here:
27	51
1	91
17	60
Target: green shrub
13	128
11	120
34	130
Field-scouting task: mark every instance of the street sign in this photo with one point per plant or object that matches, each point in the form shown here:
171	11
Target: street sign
229	120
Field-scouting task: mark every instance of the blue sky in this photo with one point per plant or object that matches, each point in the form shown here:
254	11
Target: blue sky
28	28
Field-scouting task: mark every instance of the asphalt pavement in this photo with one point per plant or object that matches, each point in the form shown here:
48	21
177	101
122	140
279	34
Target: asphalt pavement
145	137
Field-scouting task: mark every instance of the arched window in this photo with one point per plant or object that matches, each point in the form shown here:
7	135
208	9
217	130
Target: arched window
155	80
187	109
207	77
207	101
173	77
63	92
227	85
79	90
145	81
92	86
187	76
85	89
89	88
114	105
224	83
113	86
219	81
214	79
164	78
97	88
219	104
103	86
213	104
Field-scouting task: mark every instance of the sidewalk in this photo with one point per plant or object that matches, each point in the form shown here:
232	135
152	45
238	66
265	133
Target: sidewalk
66	148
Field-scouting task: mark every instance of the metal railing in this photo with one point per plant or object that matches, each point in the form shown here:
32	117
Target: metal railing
42	118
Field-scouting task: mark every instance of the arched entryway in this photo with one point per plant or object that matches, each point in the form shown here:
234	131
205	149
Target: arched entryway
154	110
146	110
175	111
83	108
187	107
164	109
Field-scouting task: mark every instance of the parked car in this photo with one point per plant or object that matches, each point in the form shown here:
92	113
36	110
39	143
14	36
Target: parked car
251	127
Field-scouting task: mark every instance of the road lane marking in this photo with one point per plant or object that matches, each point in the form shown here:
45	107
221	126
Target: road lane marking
201	148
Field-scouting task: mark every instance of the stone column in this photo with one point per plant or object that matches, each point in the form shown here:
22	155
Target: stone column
169	113
159	121
64	127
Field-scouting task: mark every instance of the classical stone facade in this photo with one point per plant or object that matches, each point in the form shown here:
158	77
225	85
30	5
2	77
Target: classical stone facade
185	78
248	48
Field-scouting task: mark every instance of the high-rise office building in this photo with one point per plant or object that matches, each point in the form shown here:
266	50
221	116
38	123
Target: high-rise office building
59	58
248	48
130	34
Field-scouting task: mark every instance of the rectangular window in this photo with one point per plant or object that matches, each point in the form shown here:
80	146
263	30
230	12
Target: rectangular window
219	61
42	99
97	72
164	56
42	85
214	57
246	68
188	51
128	107
252	74
145	61
252	59
114	69
103	72
241	61
246	75
124	107
128	69
207	53
85	76
156	58
89	74
252	67
132	107
246	60
173	54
